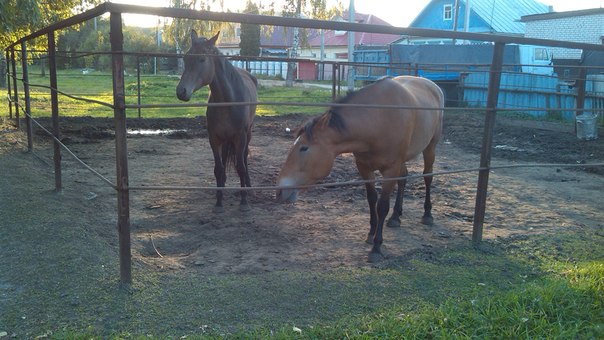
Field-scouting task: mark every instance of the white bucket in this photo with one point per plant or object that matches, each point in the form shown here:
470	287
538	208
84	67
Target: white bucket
587	129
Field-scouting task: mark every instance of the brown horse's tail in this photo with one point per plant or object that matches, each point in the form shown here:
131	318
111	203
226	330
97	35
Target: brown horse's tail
229	153
254	79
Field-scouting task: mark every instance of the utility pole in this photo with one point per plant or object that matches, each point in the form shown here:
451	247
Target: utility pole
291	66
351	18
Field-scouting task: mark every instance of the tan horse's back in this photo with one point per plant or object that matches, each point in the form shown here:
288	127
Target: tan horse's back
402	134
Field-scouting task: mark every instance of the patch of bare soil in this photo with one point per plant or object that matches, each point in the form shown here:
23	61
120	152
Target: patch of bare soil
327	227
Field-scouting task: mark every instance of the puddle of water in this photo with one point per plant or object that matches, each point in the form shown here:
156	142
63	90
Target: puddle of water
153	132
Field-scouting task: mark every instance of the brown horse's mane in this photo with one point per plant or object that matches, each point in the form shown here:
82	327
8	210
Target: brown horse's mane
230	70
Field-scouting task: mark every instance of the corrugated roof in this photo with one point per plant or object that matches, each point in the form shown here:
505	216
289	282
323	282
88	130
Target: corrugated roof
567	14
504	16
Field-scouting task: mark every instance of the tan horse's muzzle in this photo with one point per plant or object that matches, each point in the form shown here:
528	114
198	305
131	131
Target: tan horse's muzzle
287	195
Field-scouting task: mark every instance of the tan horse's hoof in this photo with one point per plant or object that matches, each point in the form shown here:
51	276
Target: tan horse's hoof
218	210
244	208
375	257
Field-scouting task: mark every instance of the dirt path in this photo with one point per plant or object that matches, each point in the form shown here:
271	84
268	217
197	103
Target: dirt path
176	230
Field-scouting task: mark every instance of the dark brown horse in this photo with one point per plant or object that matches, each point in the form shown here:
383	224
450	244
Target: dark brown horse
381	139
229	127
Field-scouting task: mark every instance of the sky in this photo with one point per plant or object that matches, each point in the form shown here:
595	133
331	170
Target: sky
398	13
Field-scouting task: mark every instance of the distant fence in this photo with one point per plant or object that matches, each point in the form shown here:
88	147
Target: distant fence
305	69
524	91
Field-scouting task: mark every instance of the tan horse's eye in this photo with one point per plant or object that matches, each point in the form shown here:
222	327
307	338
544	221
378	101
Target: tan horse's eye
304	148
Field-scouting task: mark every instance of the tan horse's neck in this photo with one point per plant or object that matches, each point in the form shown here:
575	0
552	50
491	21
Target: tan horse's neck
340	140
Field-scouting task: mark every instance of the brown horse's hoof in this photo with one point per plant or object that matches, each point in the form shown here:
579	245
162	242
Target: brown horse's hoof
244	207
375	257
394	223
427	220
369	239
218	209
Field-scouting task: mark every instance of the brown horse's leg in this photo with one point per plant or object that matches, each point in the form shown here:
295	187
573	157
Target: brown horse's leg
242	171
397	212
219	173
429	156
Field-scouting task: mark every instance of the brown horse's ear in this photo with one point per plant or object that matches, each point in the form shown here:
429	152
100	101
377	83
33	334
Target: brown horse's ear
193	35
214	38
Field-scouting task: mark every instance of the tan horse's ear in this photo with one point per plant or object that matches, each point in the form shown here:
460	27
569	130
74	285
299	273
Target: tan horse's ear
214	38
193	35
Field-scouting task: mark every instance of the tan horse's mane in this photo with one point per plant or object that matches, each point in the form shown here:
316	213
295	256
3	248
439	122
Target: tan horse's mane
333	117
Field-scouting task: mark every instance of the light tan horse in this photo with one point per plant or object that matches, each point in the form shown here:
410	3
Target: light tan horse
381	139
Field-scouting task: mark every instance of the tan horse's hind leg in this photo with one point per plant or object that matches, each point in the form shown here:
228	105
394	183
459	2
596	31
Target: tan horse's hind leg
397	211
429	156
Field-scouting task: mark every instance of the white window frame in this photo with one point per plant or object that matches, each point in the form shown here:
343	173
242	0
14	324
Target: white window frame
448	11
541	53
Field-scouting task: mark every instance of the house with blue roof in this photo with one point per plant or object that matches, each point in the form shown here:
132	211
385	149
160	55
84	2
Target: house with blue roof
477	16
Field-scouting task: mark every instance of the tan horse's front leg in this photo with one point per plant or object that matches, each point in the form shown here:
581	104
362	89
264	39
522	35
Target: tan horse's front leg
372	196
383	205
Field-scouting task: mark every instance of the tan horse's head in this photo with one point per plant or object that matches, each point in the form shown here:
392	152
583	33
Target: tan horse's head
309	160
199	70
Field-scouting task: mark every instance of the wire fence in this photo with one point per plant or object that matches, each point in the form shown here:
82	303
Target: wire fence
490	84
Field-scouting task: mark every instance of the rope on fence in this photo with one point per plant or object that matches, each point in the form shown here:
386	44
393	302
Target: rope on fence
94	101
302	104
88	167
360	182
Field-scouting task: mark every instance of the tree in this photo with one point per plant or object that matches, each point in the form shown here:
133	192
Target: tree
21	17
178	31
250	34
299	8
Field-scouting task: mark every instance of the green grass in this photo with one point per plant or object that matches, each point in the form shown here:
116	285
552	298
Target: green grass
546	286
160	89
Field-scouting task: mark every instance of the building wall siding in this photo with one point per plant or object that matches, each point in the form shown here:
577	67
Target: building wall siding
585	29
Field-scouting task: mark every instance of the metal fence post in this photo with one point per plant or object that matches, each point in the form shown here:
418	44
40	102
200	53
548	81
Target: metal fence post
16	93
138	84
56	131
8	86
580	86
28	127
487	141
121	149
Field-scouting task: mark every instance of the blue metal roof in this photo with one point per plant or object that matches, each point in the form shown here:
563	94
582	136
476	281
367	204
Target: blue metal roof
495	16
504	15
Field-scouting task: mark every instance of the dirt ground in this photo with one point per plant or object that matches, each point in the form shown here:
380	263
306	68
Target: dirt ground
326	228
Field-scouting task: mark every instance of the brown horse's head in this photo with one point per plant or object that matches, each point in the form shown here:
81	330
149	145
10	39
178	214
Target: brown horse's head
199	70
308	161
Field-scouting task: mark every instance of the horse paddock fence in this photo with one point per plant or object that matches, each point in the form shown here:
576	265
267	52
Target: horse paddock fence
119	106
